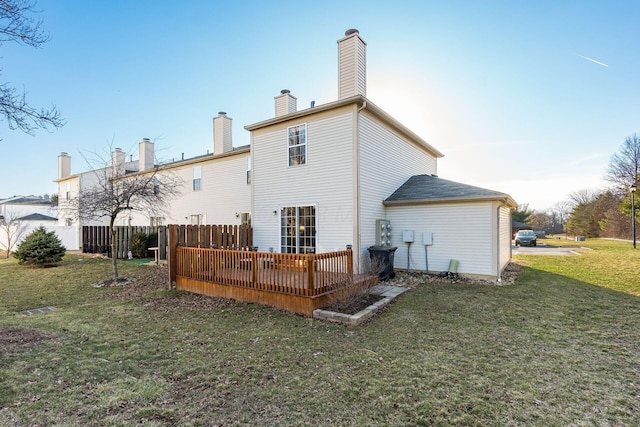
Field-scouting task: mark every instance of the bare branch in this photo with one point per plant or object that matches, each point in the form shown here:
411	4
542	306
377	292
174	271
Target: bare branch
16	25
624	166
11	232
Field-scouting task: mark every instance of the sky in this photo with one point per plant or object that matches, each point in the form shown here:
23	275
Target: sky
528	98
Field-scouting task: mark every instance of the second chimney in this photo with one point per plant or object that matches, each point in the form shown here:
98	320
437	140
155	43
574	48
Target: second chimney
285	103
117	162
222	141
64	165
352	65
146	157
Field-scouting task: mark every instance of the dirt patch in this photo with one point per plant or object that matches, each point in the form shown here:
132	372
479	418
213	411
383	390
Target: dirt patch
14	339
412	280
156	278
354	305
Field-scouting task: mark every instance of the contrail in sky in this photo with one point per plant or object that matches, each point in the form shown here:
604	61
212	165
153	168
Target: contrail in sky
593	60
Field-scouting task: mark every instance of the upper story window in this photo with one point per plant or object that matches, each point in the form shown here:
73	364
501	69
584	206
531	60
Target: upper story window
297	145
249	170
197	178
68	193
156	185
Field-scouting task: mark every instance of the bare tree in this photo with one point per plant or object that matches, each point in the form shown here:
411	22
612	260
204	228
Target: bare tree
583	197
624	166
115	192
16	25
559	214
11	231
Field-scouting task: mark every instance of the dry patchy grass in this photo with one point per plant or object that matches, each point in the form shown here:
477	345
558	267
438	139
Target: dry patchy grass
549	349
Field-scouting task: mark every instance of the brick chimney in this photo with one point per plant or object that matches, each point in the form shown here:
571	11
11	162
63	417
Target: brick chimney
285	103
222	141
64	165
352	65
118	162
146	157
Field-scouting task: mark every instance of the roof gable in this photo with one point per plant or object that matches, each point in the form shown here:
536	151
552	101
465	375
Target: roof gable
37	217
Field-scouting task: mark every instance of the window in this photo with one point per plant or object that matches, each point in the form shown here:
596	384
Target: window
196	219
249	170
197	178
245	218
68	194
155	221
298	230
156	186
297	145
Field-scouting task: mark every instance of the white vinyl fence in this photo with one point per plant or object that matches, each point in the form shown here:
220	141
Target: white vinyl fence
68	235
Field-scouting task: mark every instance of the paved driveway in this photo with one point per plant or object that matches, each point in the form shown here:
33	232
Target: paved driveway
543	249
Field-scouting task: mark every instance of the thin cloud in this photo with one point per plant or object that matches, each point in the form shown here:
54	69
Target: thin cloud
593	60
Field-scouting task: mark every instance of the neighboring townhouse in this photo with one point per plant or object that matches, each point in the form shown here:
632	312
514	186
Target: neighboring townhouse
329	176
26	213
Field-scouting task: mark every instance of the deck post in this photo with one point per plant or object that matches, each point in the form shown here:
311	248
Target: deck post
311	266
350	261
172	255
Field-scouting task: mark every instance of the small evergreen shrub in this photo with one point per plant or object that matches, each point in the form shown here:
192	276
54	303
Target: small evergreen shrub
41	248
139	245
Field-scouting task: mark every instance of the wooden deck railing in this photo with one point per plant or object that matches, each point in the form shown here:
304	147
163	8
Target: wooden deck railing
295	274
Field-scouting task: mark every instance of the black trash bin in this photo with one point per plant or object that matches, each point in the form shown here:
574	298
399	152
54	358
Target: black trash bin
382	260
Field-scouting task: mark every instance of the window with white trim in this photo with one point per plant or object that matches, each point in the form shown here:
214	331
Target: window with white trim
68	194
155	221
196	219
298	230
156	185
297	137
249	170
197	178
245	218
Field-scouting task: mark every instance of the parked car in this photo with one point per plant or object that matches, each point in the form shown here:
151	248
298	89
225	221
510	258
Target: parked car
526	238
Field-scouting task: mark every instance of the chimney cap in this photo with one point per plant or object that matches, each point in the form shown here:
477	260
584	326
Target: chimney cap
146	139
64	153
222	113
351	31
285	91
118	149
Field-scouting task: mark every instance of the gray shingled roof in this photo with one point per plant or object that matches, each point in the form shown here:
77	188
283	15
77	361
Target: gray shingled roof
430	189
37	217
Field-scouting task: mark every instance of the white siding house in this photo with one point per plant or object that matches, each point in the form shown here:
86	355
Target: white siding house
318	179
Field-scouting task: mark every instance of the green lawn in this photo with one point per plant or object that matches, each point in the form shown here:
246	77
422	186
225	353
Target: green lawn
559	347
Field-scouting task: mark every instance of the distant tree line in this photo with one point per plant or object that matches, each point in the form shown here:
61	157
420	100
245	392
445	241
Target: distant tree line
595	213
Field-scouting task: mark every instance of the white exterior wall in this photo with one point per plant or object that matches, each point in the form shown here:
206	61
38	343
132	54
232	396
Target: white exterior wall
224	191
387	160
326	181
461	231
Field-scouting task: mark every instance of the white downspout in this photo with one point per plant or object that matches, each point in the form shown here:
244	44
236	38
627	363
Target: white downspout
356	181
498	270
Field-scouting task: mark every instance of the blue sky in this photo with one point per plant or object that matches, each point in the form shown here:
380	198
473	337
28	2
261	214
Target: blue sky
509	91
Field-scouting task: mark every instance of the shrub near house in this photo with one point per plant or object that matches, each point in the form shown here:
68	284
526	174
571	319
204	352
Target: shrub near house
41	248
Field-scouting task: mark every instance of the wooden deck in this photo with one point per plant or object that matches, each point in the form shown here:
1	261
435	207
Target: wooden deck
299	283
